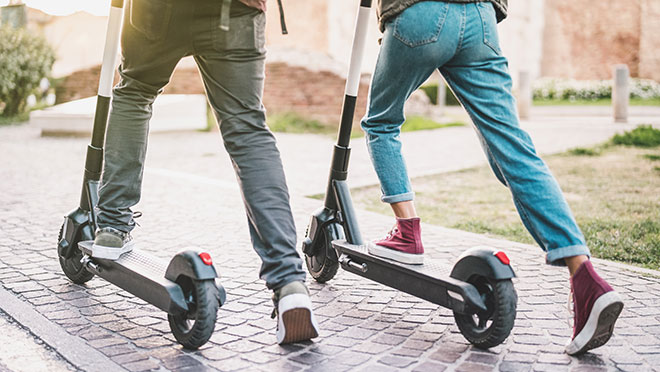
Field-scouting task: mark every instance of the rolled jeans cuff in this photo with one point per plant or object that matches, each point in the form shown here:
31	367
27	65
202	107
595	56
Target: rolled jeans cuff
556	256
398	198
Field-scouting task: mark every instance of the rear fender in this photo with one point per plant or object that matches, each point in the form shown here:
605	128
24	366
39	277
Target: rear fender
484	261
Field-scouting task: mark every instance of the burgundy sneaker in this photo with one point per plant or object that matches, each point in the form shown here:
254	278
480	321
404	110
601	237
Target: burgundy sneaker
403	243
596	307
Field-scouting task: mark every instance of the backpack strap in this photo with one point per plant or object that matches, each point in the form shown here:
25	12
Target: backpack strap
282	22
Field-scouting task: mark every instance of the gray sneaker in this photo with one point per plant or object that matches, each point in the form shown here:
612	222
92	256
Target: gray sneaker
295	319
111	243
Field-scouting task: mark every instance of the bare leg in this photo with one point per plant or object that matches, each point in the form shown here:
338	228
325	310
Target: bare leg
574	262
404	209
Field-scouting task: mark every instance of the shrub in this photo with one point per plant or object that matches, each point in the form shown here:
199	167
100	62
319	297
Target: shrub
291	122
25	59
590	90
431	91
642	136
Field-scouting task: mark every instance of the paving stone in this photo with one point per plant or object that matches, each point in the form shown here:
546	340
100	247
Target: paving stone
129	358
482	358
546	367
371	347
473	367
308	358
445	356
549	358
430	367
515	367
388	339
362	322
142	365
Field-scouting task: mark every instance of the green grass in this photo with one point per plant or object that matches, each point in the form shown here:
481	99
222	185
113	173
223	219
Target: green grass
415	123
613	190
294	123
642	136
598	102
652	157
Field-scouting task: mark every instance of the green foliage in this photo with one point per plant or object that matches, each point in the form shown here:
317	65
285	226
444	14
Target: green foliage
594	102
414	123
642	136
431	91
25	59
652	157
582	151
590	90
293	123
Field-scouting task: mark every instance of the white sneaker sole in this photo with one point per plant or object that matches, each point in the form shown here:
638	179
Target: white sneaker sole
406	258
111	253
296	320
600	324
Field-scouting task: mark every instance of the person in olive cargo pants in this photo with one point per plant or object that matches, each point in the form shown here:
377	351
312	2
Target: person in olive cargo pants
155	36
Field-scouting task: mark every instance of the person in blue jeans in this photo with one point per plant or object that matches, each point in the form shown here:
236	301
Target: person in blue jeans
459	38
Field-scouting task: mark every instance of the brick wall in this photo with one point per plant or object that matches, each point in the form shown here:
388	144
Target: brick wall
317	95
584	39
649	44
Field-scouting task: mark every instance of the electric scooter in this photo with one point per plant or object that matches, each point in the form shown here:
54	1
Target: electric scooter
187	287
478	288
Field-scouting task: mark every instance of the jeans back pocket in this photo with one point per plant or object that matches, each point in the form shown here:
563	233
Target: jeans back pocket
247	33
151	17
489	23
421	23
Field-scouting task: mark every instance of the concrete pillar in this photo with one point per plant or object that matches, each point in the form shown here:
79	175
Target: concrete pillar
442	95
621	93
14	15
524	94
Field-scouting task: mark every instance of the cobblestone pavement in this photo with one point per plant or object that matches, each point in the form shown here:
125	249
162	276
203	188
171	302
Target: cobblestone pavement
21	352
190	200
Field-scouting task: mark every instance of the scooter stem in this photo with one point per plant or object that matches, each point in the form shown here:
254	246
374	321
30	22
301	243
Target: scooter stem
94	158
341	154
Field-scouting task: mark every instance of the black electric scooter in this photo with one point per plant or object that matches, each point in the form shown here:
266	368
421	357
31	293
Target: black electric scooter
187	288
477	288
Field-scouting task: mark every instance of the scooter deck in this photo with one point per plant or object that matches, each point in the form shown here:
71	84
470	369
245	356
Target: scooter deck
141	274
430	281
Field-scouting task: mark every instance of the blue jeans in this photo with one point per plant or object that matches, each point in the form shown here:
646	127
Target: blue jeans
461	41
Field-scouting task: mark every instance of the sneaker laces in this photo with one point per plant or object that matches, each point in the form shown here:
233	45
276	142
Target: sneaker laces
137	214
392	232
570	306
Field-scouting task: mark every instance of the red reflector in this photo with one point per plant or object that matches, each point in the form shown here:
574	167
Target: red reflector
206	258
502	257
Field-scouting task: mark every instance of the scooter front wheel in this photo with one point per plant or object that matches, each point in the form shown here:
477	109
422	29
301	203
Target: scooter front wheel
324	264
490	328
194	328
73	267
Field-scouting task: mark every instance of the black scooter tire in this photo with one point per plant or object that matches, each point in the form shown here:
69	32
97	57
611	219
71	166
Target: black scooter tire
72	267
490	328
194	328
325	264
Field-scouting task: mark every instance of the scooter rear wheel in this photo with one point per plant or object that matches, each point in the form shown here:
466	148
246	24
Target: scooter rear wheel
324	264
194	328
72	267
491	327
